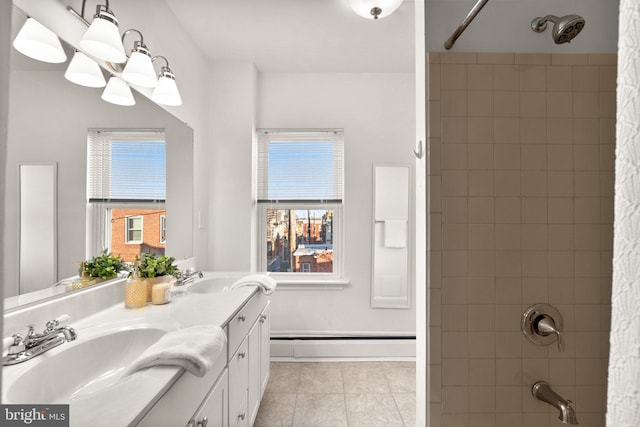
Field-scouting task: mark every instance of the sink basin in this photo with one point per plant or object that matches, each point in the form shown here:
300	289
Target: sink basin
211	285
76	368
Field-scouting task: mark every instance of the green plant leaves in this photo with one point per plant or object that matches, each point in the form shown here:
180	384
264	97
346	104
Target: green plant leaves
104	266
152	265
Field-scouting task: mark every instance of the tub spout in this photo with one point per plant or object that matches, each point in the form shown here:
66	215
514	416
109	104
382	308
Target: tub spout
542	391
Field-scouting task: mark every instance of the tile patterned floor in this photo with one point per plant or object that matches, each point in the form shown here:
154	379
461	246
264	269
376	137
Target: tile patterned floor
340	394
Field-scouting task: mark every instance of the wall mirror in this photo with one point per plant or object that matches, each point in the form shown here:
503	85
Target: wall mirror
48	122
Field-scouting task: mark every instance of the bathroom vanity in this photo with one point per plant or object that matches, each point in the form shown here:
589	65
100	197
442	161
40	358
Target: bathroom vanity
110	338
230	394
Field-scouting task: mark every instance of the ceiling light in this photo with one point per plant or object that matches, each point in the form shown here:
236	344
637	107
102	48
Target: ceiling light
166	92
139	70
374	9
118	92
38	42
102	38
84	71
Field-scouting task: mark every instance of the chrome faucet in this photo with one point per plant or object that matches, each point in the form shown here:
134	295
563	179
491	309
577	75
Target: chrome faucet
188	276
542	391
34	344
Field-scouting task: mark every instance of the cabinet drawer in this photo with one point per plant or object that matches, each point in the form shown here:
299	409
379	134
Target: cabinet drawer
238	377
239	416
241	323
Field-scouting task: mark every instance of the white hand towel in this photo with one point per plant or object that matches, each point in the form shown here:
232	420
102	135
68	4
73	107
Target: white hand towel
267	284
395	233
195	348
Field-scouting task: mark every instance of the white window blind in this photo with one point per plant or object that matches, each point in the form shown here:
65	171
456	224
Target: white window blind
126	166
298	166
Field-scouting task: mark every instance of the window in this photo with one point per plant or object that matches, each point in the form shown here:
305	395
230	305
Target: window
300	192
133	233
163	228
126	192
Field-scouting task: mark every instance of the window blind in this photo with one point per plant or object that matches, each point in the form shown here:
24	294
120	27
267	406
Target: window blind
126	166
297	166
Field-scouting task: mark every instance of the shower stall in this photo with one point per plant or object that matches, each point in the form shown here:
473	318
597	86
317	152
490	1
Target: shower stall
521	136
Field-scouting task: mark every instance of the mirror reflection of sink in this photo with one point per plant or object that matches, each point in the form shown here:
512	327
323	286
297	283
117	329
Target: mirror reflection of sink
77	367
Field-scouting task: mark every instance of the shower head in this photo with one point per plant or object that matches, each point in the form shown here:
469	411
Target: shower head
565	28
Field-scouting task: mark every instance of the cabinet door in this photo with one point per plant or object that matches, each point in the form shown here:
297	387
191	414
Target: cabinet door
214	411
265	346
254	372
238	381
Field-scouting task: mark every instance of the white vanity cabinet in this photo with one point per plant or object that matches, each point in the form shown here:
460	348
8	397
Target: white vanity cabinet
229	395
249	364
214	411
259	353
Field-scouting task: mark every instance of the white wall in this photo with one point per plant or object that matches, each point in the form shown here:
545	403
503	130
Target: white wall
505	25
376	112
232	125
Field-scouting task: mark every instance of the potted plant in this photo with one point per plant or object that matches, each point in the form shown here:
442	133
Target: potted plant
104	266
156	269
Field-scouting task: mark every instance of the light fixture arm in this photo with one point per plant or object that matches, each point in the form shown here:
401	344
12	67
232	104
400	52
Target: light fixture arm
166	61
80	15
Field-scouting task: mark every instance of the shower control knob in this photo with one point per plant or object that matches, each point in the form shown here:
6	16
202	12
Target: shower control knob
542	325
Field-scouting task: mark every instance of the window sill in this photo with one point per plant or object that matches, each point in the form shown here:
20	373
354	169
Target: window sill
307	284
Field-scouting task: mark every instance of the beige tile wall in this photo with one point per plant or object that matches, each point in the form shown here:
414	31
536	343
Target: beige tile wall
521	201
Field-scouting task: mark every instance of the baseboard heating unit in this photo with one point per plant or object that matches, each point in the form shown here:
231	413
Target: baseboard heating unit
357	346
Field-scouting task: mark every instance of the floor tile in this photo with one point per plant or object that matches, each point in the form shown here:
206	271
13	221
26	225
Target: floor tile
283	379
372	410
406	403
320	410
326	394
401	378
320	380
364	380
276	410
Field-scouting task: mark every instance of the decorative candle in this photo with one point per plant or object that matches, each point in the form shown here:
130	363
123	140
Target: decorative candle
160	293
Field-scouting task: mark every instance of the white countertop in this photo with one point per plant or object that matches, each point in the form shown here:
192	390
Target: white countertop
128	399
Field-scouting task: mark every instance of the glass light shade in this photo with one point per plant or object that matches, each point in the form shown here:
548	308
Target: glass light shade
166	92
38	42
118	92
364	7
83	71
139	70
102	39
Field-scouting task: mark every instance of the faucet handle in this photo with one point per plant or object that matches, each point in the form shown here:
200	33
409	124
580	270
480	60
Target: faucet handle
51	325
546	326
17	345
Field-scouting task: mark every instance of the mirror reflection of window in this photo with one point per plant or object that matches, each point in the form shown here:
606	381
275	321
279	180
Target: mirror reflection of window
127	192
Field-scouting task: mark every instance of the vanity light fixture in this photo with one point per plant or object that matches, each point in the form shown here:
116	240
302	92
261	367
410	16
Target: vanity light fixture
166	92
102	38
118	92
84	71
139	68
374	9
38	42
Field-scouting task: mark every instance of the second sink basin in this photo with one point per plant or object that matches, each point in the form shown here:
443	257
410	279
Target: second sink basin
210	285
77	367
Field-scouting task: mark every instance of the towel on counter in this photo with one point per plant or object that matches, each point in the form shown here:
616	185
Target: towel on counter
395	233
195	348
267	284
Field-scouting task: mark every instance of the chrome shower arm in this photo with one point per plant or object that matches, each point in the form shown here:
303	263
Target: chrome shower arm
470	17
